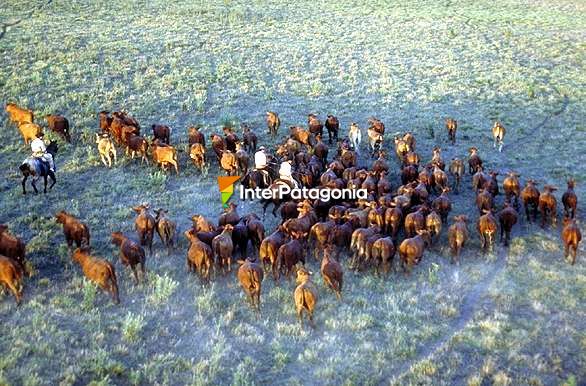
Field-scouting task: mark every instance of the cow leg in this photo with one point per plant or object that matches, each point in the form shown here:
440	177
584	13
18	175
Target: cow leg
14	291
135	273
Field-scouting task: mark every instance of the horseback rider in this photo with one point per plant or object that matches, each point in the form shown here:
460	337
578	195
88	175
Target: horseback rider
39	150
285	173
261	164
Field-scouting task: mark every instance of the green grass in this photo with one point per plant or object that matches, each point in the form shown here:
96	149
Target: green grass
222	63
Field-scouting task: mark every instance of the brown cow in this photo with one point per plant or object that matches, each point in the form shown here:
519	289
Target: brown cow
230	215
440	179
332	125
383	252
269	248
457	236
484	201
457	170
530	196
197	153
411	249
305	295
11	277
474	161
162	133
570	200
273	123
13	248
340	237
105	121
415	221
487	228
256	230
242	159
223	247
571	236
492	185
332	273
393	221
314	125
196	136
507	218
548	205
250	275
131	254
442	205
433	224
201	224
319	232
144	224
512	188
18	114
60	125
74	230
98	271
29	131
106	149
229	163
135	144
249	139
165	228
165	155
288	255
451	127
218	145
200	257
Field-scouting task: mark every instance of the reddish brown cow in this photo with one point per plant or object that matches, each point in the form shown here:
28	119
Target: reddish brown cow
512	188
18	114
393	221
29	131
223	248
487	228
73	229
570	200
11	277
411	250
256	230
230	215
332	125
250	275
161	133
548	205
196	136
492	185
13	248
332	273
314	125
474	161
442	205
305	295
165	155
165	228
249	139
131	254
59	125
269	248
201	224
571	236
415	221
200	257
451	127
507	218
383	252
273	123
98	271
457	236
484	201
144	224
319	233
288	255
136	144
457	170
433	224
530	196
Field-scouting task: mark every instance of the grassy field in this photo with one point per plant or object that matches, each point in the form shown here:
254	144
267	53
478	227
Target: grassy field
510	317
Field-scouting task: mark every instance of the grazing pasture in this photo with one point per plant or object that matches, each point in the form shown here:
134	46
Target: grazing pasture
508	316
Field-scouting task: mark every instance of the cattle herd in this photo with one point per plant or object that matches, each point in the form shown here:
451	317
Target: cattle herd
407	219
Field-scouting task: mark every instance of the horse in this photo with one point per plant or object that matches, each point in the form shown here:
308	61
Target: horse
261	179
37	167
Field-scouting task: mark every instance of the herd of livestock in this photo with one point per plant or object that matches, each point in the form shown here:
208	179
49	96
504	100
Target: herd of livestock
407	219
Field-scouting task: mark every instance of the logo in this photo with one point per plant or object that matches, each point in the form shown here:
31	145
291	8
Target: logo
226	185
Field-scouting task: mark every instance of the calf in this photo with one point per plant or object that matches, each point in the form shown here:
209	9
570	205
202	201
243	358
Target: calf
273	123
29	131
162	133
530	197
197	153
570	200
131	254
548	205
60	125
196	136
18	114
106	149
200	257
98	271
165	155
355	136
73	229
305	295
135	144
144	224
457	236
165	228
11	277
571	236
223	247
250	275
411	250
451	127
332	273
487	228
507	218
13	248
